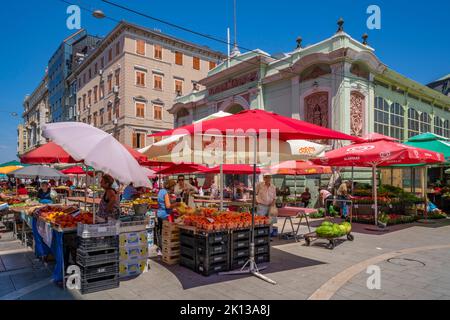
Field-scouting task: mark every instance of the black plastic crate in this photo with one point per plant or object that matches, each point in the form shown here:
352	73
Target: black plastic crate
99	271
96	257
100	284
213	237
262	258
187	238
243	234
239	254
210	250
240	244
187	262
210	260
238	263
98	243
208	270
262	249
187	251
262	231
262	241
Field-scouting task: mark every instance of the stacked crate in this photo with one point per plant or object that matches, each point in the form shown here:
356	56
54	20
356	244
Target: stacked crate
240	246
98	256
204	252
262	244
170	243
133	247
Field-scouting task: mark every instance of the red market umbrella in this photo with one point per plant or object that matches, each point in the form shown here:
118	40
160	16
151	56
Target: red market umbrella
78	170
261	121
182	168
292	168
47	153
378	151
233	169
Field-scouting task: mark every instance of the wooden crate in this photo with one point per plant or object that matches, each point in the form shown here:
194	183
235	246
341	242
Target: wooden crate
168	226
171	260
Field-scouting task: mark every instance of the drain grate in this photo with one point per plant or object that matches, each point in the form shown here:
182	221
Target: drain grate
406	262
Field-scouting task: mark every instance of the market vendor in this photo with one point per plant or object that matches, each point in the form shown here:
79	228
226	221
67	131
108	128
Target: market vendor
306	197
266	196
109	207
44	193
21	190
183	189
129	193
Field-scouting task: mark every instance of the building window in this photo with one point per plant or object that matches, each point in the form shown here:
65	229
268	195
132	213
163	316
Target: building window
413	123
84	78
95	94
140	78
425	123
90	74
196	63
447	129
109	108
95	68
179	87
95	119
178	58
116	109
79	104
102	90
79	82
102	112
84	102
140	47
117	77
110	83
109	55
438	126
89	97
212	65
157	82
397	121
381	116
140	109
117	48
157	112
102	62
139	140
158	52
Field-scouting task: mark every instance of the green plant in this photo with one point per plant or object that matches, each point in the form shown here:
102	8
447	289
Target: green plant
384	218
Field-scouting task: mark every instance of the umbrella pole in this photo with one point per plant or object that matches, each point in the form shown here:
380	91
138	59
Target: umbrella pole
295	188
353	175
221	187
252	267
93	192
375	193
425	183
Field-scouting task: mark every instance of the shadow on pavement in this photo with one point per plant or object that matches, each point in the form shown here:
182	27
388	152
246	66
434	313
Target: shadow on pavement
280	261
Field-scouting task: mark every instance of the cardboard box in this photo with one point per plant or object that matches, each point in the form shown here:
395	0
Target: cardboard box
130	268
133	239
134	253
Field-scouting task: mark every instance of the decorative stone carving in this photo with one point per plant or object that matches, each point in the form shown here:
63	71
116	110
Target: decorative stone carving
358	71
316	109
357	103
315	73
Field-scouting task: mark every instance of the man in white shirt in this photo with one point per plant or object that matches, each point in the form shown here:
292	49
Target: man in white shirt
266	196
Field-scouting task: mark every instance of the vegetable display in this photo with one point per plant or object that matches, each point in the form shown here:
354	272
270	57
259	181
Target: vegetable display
330	230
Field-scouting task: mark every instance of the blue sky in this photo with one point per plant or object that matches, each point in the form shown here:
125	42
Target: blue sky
414	38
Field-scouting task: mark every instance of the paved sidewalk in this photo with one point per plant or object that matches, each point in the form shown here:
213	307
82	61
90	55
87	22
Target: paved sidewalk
299	271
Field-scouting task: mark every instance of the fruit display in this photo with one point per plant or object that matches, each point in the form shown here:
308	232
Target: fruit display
333	230
183	209
217	221
64	217
147	201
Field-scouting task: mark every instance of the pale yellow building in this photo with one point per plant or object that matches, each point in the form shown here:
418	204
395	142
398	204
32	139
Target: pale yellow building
126	86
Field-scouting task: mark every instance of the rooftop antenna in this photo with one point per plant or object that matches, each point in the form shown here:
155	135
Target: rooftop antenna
235	51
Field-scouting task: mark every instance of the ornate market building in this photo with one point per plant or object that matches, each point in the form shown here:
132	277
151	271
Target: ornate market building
338	83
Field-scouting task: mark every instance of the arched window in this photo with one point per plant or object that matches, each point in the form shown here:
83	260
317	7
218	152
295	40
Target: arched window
397	121
381	116
447	128
425	123
413	123
438	126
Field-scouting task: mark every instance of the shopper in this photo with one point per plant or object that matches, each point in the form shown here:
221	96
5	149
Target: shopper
343	194
266	195
164	205
109	207
325	196
129	193
306	198
44	193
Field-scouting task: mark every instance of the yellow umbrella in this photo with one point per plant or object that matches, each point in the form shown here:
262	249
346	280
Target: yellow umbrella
6	170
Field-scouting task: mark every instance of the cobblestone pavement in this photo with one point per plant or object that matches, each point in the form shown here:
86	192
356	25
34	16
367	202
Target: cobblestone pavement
301	272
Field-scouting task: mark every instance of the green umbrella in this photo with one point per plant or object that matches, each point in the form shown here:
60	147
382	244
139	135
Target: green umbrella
432	142
12	163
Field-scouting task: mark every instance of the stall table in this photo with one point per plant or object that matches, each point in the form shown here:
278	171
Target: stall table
290	213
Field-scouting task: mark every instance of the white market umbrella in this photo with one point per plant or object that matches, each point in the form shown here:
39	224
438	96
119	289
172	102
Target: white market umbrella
98	150
41	172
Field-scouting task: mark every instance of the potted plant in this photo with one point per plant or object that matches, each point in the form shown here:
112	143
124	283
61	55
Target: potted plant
383	220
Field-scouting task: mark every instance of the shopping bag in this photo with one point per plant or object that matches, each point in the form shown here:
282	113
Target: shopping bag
273	211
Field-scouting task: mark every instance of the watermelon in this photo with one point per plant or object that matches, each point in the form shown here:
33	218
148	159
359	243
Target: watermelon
327	224
343	229
325	231
336	230
348	227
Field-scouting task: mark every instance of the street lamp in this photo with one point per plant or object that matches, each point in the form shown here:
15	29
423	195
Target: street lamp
99	14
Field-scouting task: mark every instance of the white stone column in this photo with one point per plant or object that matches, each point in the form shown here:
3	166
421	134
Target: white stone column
369	113
295	98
